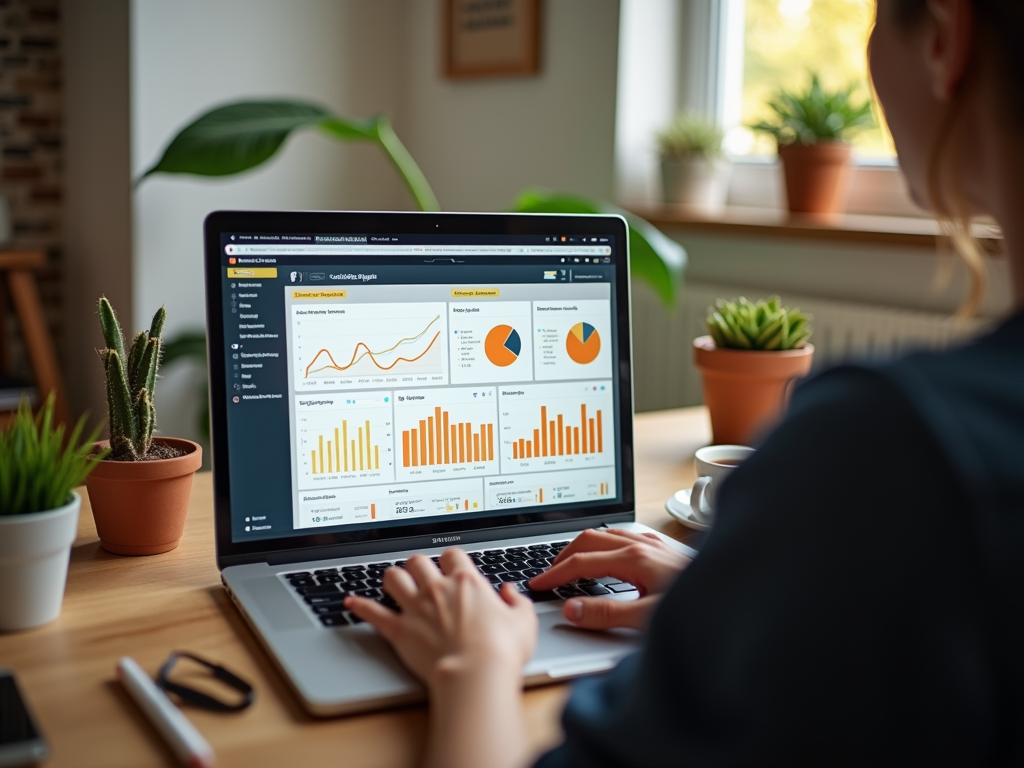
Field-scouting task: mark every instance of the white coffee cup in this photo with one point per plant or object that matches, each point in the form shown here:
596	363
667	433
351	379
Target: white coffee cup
714	463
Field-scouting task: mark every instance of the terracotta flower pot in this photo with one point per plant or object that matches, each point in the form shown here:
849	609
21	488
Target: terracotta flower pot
140	506
747	391
817	177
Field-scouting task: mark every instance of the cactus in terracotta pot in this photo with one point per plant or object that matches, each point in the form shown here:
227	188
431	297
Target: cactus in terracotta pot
139	494
131	383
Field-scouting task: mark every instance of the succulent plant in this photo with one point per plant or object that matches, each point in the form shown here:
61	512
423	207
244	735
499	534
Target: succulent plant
816	115
131	382
763	325
688	135
39	464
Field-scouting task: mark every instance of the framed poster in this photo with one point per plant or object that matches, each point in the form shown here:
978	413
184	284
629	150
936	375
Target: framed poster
488	38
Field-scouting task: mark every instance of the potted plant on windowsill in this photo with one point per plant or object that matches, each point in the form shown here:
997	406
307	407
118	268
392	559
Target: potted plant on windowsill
140	492
812	129
748	363
40	467
693	171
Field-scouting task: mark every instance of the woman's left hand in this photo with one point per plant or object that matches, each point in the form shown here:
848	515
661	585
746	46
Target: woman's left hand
452	620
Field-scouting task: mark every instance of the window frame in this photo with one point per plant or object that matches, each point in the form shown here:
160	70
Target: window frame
711	81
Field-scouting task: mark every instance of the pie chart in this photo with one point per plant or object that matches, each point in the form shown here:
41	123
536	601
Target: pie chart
503	345
583	343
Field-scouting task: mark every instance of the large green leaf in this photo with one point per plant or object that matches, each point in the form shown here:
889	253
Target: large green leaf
237	137
654	258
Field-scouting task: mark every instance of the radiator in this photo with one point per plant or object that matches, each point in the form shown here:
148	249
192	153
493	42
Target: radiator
664	375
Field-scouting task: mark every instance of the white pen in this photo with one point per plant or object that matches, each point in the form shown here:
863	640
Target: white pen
187	743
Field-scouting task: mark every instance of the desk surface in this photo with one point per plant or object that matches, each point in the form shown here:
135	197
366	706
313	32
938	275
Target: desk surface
145	607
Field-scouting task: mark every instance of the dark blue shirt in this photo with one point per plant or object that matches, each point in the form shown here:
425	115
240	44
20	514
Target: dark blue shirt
860	599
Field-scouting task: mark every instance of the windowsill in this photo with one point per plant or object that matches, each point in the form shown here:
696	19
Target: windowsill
904	231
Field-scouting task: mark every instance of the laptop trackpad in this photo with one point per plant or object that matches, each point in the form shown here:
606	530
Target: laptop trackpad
565	651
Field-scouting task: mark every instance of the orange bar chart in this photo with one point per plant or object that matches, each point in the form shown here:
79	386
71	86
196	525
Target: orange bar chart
441	440
554	437
347	450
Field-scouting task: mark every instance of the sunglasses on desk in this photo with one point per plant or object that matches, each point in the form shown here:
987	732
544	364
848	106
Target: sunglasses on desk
171	679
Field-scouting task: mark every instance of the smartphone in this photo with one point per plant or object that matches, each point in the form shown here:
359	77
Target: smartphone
21	743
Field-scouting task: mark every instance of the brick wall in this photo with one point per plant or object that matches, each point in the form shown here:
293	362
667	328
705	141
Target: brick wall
30	150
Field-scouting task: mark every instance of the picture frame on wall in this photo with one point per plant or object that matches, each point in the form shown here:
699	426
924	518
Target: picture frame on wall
491	38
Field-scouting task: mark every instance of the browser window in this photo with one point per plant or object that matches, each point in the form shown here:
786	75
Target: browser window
388	380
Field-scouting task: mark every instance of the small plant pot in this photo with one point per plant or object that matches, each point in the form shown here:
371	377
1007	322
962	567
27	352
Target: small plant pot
747	391
817	177
34	554
140	506
696	182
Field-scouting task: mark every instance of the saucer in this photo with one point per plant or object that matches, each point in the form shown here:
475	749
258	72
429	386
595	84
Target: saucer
678	506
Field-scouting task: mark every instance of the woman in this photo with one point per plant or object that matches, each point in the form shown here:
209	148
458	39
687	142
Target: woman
859	599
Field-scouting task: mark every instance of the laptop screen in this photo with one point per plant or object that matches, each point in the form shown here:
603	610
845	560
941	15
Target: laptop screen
386	382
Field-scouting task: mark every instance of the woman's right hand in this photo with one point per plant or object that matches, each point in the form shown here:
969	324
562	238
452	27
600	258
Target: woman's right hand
643	560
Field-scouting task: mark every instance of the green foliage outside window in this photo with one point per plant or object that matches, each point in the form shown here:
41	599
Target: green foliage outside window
786	40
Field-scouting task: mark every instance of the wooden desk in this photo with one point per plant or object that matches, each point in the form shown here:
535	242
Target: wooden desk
145	607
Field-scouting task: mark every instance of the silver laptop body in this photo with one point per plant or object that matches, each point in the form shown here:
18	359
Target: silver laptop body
387	384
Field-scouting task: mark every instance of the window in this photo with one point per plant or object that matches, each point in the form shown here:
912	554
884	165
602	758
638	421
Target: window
778	45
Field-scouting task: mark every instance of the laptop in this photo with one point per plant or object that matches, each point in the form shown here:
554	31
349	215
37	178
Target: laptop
386	384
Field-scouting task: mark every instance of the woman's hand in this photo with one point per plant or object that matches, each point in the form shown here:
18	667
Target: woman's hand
468	644
643	560
451	621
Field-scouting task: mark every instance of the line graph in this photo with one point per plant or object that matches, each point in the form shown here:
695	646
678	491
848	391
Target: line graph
367	352
368	345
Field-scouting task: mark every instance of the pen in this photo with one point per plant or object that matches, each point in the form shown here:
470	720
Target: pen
187	743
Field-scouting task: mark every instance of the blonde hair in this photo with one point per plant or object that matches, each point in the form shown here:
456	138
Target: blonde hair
944	195
953	211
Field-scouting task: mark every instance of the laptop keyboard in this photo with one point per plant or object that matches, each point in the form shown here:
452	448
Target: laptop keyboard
324	589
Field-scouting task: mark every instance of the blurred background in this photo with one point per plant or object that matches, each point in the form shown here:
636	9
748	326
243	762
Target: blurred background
91	93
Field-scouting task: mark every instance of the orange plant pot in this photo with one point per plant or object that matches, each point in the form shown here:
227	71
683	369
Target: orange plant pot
747	391
140	506
817	177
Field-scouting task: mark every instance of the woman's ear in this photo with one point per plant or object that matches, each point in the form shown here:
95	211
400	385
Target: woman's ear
950	41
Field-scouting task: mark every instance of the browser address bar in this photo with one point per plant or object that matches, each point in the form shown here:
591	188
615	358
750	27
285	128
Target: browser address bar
414	250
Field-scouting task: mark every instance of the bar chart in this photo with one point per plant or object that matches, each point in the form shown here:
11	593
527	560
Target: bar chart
448	432
556	426
344	439
556	437
439	439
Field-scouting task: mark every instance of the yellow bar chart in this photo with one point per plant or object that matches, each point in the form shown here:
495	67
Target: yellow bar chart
346	438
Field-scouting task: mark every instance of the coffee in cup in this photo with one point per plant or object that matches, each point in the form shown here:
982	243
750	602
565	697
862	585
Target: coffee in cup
714	463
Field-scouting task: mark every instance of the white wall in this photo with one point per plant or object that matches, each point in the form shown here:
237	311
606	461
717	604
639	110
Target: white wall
190	55
97	208
481	142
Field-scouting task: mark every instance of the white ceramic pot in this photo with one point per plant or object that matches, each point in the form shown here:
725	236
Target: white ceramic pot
34	554
696	182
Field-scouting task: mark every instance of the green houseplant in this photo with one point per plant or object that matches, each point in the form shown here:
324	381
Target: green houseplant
40	466
812	129
694	172
753	353
140	492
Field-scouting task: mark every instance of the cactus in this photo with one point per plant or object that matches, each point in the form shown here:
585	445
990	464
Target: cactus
765	325
131	382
